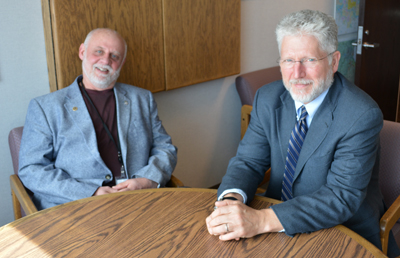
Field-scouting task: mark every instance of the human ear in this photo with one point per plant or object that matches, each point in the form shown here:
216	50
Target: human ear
335	61
81	51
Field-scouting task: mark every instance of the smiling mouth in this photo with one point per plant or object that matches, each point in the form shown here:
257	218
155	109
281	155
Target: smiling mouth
102	69
301	83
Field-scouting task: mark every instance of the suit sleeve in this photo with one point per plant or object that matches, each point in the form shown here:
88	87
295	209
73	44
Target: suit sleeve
163	154
37	158
346	187
247	169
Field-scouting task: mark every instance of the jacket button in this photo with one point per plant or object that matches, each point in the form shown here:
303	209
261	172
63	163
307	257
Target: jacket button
108	177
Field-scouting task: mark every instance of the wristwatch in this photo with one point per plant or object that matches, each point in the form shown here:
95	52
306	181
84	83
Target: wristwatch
229	198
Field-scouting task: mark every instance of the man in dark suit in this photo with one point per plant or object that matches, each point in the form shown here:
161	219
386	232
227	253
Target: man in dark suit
318	132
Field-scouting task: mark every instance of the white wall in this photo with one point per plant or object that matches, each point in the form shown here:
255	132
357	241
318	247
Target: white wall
203	119
23	75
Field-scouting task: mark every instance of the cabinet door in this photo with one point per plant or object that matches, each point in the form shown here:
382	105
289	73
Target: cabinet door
202	40
67	22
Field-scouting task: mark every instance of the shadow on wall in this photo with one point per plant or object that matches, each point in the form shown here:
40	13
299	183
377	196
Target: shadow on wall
227	136
204	123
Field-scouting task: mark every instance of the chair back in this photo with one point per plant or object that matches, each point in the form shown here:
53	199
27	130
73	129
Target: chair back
247	84
389	167
14	141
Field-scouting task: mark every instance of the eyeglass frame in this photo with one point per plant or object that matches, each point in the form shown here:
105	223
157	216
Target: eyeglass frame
302	61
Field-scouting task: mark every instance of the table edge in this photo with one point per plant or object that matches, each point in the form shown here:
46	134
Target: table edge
90	198
362	241
359	239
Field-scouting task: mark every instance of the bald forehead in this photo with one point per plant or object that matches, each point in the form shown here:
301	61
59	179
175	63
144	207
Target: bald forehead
106	37
108	34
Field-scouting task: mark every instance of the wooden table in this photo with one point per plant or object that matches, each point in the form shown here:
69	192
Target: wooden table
168	222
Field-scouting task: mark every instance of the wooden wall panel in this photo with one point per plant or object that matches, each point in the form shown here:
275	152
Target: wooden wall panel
202	40
138	21
48	38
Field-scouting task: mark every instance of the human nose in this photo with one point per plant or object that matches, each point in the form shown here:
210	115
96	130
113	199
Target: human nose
105	59
299	70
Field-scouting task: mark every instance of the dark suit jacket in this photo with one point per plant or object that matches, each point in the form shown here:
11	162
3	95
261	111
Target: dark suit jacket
336	178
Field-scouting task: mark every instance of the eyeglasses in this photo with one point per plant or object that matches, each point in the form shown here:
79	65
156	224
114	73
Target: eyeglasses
306	61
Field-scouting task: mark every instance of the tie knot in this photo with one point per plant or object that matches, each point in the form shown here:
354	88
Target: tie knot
303	112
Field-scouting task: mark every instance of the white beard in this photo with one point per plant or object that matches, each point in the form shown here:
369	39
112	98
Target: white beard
318	87
102	81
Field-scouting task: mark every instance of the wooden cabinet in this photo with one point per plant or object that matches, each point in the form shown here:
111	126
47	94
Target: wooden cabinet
171	43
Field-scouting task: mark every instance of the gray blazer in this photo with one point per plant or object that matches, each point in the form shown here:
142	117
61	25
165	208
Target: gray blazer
336	178
59	158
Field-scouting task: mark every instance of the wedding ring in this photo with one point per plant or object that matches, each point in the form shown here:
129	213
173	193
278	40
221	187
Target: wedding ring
227	227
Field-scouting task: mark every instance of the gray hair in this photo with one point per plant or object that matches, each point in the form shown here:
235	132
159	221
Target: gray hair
308	22
89	36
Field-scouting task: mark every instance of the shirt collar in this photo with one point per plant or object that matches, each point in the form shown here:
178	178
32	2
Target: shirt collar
311	107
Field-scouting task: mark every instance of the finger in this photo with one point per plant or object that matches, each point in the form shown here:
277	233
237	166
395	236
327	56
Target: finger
218	220
226	203
208	219
221	211
121	185
220	229
124	184
123	190
111	190
229	236
209	227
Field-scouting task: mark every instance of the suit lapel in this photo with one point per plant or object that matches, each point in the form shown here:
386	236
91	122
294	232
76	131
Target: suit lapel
123	104
319	127
315	135
285	119
76	107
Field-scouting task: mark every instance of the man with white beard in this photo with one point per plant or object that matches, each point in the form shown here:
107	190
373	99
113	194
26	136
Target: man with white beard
319	134
95	136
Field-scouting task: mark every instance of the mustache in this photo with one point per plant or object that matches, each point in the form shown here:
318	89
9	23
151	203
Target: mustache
301	81
103	67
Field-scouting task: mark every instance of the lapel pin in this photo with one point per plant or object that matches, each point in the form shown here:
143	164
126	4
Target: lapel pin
126	102
74	108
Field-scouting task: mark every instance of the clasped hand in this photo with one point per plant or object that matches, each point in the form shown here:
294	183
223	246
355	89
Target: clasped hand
128	185
235	220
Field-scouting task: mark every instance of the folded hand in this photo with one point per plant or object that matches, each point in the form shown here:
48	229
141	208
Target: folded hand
135	184
235	220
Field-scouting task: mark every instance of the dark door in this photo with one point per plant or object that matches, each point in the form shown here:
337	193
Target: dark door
378	65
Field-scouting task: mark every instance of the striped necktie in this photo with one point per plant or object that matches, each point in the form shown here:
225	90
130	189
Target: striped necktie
296	141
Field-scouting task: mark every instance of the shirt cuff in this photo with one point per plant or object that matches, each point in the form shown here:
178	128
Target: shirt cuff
233	190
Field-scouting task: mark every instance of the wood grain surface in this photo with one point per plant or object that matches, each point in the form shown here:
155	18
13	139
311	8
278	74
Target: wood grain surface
139	22
171	43
202	40
159	223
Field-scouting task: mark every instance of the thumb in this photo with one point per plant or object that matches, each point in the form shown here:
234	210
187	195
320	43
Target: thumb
121	185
